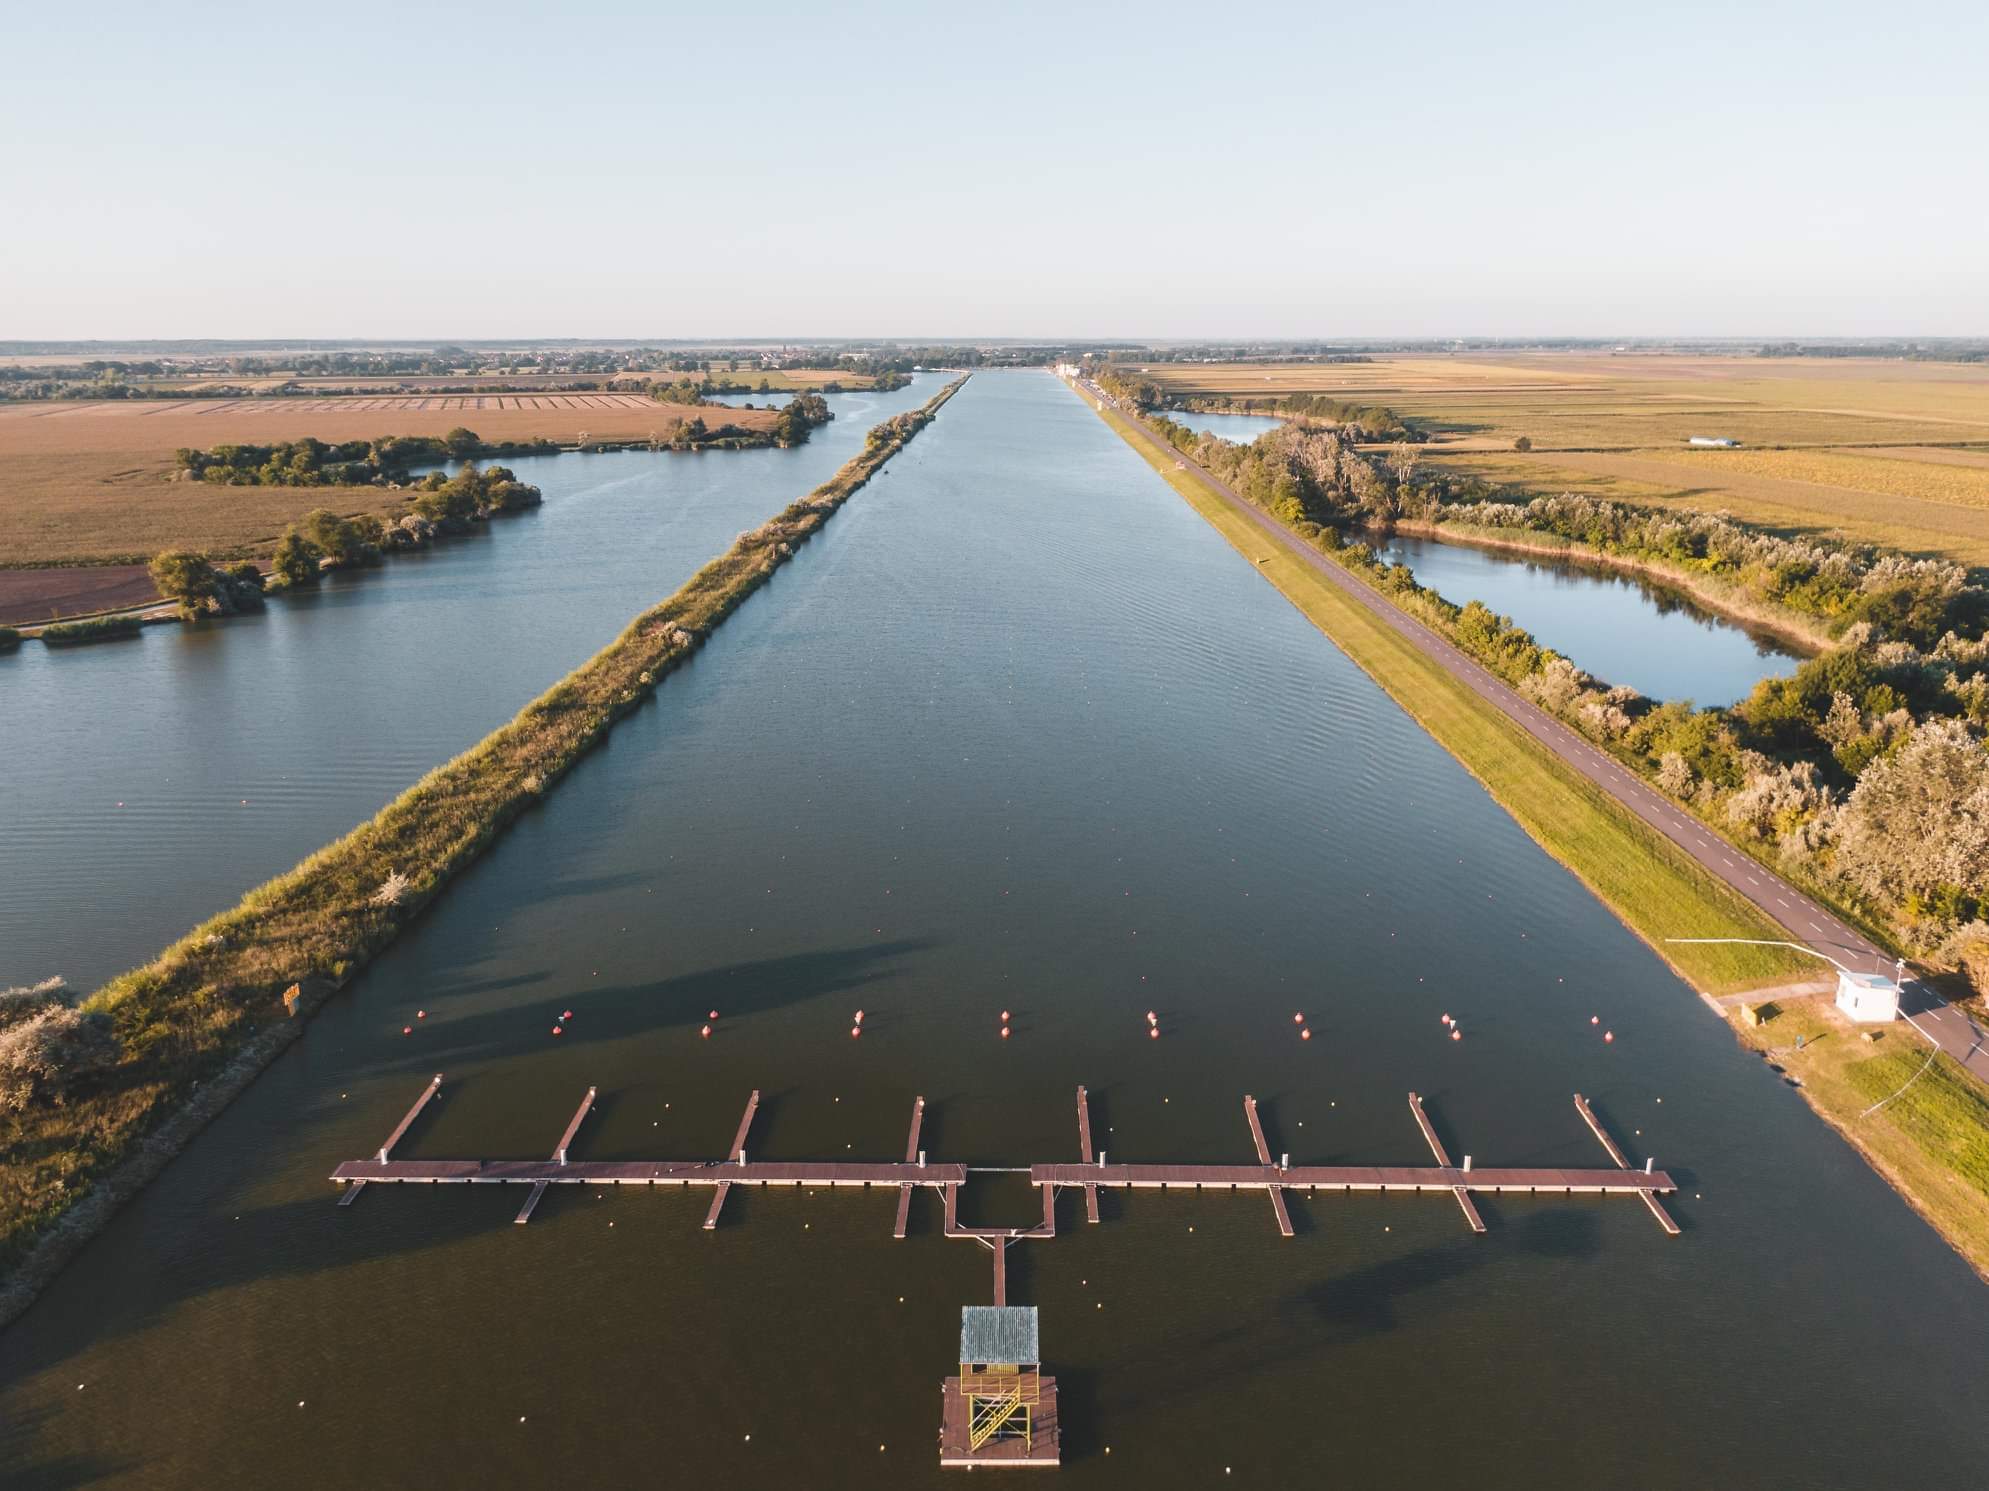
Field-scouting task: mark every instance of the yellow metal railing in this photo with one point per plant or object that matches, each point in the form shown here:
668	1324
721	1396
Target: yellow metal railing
997	1381
991	1413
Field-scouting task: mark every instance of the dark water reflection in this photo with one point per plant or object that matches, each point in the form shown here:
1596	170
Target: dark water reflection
1017	731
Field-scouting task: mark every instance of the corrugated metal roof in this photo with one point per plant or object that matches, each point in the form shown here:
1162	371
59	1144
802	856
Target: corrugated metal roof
999	1333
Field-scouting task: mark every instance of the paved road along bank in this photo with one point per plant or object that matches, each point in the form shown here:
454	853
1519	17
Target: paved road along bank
1805	920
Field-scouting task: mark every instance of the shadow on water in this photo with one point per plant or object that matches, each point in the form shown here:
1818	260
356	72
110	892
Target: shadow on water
1355	1307
56	1472
616	1012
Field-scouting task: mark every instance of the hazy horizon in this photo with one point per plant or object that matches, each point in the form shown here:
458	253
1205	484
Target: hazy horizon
225	172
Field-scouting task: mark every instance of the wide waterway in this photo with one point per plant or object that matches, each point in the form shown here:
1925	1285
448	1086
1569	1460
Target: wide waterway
1623	629
150	783
1017	731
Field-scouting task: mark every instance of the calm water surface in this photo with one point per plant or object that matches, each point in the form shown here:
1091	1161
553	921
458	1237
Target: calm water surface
149	783
1238	429
1016	731
1618	627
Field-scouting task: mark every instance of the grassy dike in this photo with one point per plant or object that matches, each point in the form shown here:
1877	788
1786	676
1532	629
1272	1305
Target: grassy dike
199	1021
1931	1143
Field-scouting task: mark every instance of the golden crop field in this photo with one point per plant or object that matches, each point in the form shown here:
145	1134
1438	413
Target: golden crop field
1889	452
83	481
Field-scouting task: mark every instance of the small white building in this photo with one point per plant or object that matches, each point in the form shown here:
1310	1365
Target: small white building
1713	442
1869	998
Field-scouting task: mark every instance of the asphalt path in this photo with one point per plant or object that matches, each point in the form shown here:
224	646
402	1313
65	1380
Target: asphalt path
1805	920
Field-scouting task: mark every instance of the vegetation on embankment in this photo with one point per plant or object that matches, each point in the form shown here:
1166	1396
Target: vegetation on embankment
100	629
1645	879
1864	776
10	639
209	1011
1930	1141
1931	1144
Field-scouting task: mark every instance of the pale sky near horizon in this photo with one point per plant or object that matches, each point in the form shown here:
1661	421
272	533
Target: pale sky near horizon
658	170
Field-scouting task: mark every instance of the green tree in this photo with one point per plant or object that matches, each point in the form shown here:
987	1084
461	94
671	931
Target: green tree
186	577
462	443
296	558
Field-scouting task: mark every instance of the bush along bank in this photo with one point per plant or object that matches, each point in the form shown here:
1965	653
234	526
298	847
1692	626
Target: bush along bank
209	1011
1863	777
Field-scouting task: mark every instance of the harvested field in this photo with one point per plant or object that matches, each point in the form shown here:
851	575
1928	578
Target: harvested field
32	595
1914	525
1886	452
1585	401
89	481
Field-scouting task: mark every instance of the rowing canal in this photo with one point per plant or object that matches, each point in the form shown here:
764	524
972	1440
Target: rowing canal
1017	731
165	776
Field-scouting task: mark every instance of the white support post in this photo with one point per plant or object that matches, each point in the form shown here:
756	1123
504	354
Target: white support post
1467	1164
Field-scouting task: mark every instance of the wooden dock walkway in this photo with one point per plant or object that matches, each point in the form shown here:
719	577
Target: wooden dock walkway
911	1158
735	1170
1264	1158
1662	1217
1084	1153
1443	1158
394	1138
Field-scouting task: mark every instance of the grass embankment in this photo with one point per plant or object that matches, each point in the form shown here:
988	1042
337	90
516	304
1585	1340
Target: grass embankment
1639	874
209	1009
1932	1144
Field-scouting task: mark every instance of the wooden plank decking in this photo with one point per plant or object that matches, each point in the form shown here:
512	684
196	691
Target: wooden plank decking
911	1158
1264	1158
1044	1447
1443	1158
1085	1154
1349	1178
1656	1207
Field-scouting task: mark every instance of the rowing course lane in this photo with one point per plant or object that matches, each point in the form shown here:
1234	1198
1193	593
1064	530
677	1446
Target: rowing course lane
1789	908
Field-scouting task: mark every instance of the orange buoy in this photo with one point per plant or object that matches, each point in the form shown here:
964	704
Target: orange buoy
1595	1019
1004	1017
1153	1033
1456	1033
1004	1032
1448	1021
1609	1035
1298	1018
706	1032
855	1031
1305	1035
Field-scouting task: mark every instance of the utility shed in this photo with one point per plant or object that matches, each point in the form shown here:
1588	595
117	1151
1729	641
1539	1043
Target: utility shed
1867	997
999	1334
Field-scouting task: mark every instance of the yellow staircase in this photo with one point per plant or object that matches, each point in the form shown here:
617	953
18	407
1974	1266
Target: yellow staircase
991	1412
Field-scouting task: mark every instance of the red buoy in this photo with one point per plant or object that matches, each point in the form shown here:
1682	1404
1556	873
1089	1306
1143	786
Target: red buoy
859	1017
1448	1021
1152	1018
1004	1032
1609	1035
407	1030
1153	1033
1298	1018
706	1032
1305	1035
855	1031
558	1031
421	1014
1456	1034
1595	1019
1004	1017
712	1016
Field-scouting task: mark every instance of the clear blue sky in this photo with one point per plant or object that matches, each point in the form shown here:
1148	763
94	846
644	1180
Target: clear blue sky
766	169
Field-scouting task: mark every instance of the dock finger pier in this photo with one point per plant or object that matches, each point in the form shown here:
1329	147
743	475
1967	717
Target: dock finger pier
999	1409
